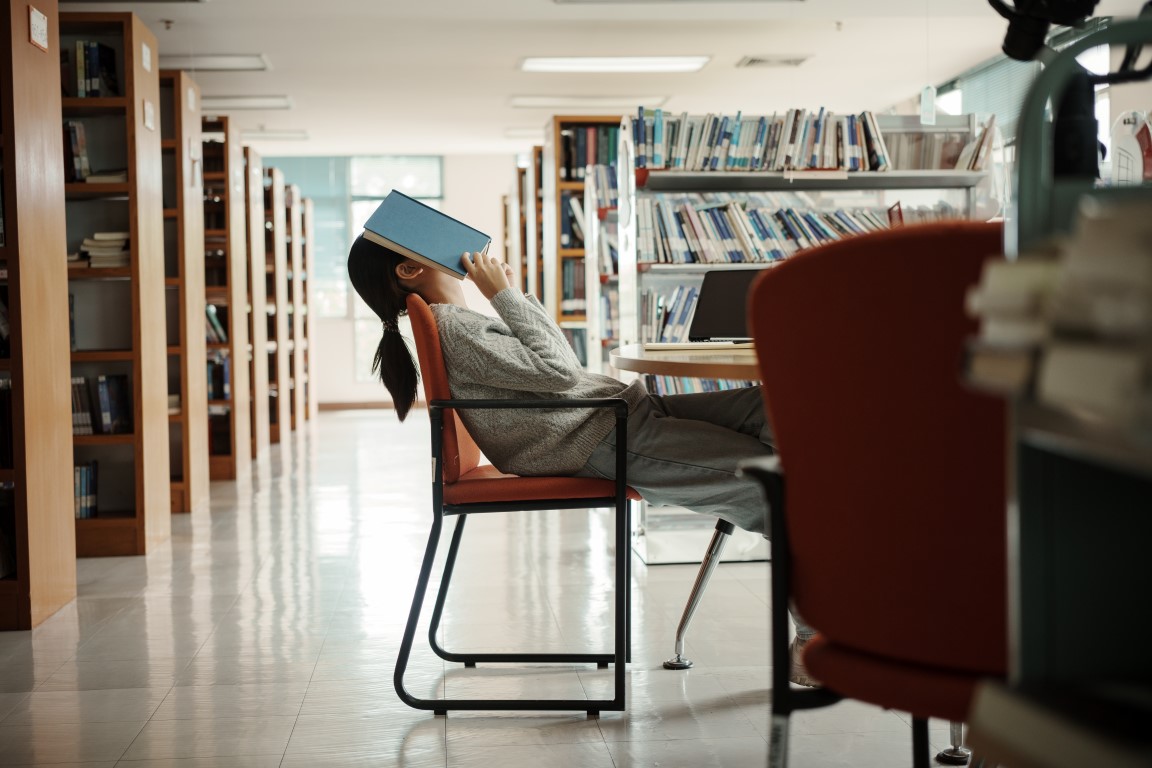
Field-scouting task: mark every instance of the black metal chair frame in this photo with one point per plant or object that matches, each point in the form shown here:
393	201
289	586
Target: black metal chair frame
620	653
785	698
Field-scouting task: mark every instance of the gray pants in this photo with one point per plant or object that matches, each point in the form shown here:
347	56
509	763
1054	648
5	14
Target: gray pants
683	450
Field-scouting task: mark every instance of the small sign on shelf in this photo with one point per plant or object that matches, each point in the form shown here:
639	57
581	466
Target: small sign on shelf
37	28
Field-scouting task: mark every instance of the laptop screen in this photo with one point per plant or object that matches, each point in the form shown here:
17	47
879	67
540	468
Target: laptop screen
722	306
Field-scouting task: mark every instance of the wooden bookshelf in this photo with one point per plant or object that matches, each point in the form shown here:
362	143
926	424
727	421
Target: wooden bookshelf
257	303
228	417
308	262
184	289
294	227
571	144
122	311
36	499
275	250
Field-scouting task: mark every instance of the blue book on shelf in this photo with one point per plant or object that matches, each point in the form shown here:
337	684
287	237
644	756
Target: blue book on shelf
658	139
424	234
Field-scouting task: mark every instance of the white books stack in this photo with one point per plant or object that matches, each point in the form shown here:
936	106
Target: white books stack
1070	324
106	249
1098	361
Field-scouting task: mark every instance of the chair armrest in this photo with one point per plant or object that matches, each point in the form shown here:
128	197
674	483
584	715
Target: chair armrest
618	404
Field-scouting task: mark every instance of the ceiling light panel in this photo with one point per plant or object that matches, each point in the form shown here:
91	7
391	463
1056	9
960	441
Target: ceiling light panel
211	104
614	63
286	134
217	62
587	102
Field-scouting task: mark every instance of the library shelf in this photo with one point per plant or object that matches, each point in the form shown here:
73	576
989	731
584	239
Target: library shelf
275	250
227	416
307	316
183	192
119	315
256	303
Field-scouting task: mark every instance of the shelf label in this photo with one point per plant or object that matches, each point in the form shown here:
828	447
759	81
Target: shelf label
146	57
37	28
149	115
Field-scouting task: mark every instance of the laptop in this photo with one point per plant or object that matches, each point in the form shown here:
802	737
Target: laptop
720	317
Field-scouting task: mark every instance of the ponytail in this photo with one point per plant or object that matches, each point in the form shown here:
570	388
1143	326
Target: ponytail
372	270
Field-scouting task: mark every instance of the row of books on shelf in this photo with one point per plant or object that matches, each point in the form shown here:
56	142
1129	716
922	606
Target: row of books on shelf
1068	324
84	475
573	287
683	385
610	312
571	220
667	316
219	377
77	166
797	140
213	328
584	145
606	187
578	340
88	69
608	249
101	404
691	229
104	250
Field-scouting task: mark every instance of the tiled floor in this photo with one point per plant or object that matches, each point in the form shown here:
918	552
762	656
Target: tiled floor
266	636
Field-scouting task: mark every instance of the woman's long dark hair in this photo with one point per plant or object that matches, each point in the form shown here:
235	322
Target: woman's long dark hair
372	269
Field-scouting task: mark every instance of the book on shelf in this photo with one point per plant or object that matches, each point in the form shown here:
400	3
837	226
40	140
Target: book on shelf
76	164
84	476
216	332
108	176
88	70
424	234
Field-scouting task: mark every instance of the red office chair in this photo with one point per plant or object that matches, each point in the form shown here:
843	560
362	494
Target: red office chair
888	499
462	486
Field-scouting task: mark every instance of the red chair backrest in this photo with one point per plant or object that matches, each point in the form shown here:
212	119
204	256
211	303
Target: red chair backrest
461	454
895	471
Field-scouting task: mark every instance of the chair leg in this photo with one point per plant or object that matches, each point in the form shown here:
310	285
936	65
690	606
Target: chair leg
957	754
442	593
708	564
920	742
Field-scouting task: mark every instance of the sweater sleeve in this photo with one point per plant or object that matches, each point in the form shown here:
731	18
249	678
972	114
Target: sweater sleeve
535	357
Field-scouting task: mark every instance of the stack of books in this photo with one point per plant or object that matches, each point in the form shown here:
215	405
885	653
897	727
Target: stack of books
1069	324
104	250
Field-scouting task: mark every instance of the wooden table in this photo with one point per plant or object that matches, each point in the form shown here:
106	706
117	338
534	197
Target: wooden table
665	535
703	364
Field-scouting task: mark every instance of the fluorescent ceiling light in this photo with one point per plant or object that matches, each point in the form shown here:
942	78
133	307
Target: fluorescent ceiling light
587	102
210	104
523	133
636	2
217	62
614	63
286	134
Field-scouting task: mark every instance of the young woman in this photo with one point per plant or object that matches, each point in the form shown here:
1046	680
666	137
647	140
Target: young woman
682	449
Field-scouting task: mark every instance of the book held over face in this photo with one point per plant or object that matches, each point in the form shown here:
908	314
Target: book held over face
424	234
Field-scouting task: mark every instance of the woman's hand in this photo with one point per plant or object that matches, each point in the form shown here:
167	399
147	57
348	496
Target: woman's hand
488	273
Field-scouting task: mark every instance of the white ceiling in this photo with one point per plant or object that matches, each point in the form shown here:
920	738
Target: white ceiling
436	76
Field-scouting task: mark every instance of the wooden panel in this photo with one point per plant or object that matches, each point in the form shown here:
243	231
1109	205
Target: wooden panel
224	467
294	218
257	301
33	180
111	537
309	265
276	257
183	110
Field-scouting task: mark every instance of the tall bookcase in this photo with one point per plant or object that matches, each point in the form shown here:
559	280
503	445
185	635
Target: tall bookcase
180	143
36	489
119	312
226	279
275	248
307	316
294	225
670	534
571	144
256	355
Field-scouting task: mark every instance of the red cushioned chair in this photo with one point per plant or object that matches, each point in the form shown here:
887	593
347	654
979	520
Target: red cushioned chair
462	486
888	524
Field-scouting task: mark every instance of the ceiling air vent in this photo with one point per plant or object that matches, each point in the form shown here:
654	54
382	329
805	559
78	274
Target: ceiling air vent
771	61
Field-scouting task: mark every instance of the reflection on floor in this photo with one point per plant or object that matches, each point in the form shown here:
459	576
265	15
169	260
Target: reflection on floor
266	634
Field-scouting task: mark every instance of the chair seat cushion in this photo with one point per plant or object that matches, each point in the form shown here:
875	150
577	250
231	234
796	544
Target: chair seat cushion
921	691
488	484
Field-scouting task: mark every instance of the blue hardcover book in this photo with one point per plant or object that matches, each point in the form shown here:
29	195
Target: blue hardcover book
658	139
638	136
424	234
103	399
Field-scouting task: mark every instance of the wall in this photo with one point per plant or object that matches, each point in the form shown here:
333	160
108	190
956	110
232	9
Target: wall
473	188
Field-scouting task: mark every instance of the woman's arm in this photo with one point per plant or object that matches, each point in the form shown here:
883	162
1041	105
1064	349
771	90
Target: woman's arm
535	357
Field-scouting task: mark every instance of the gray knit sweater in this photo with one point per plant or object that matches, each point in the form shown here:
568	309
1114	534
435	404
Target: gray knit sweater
523	354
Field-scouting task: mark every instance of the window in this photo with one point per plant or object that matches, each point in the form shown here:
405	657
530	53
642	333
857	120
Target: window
371	178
